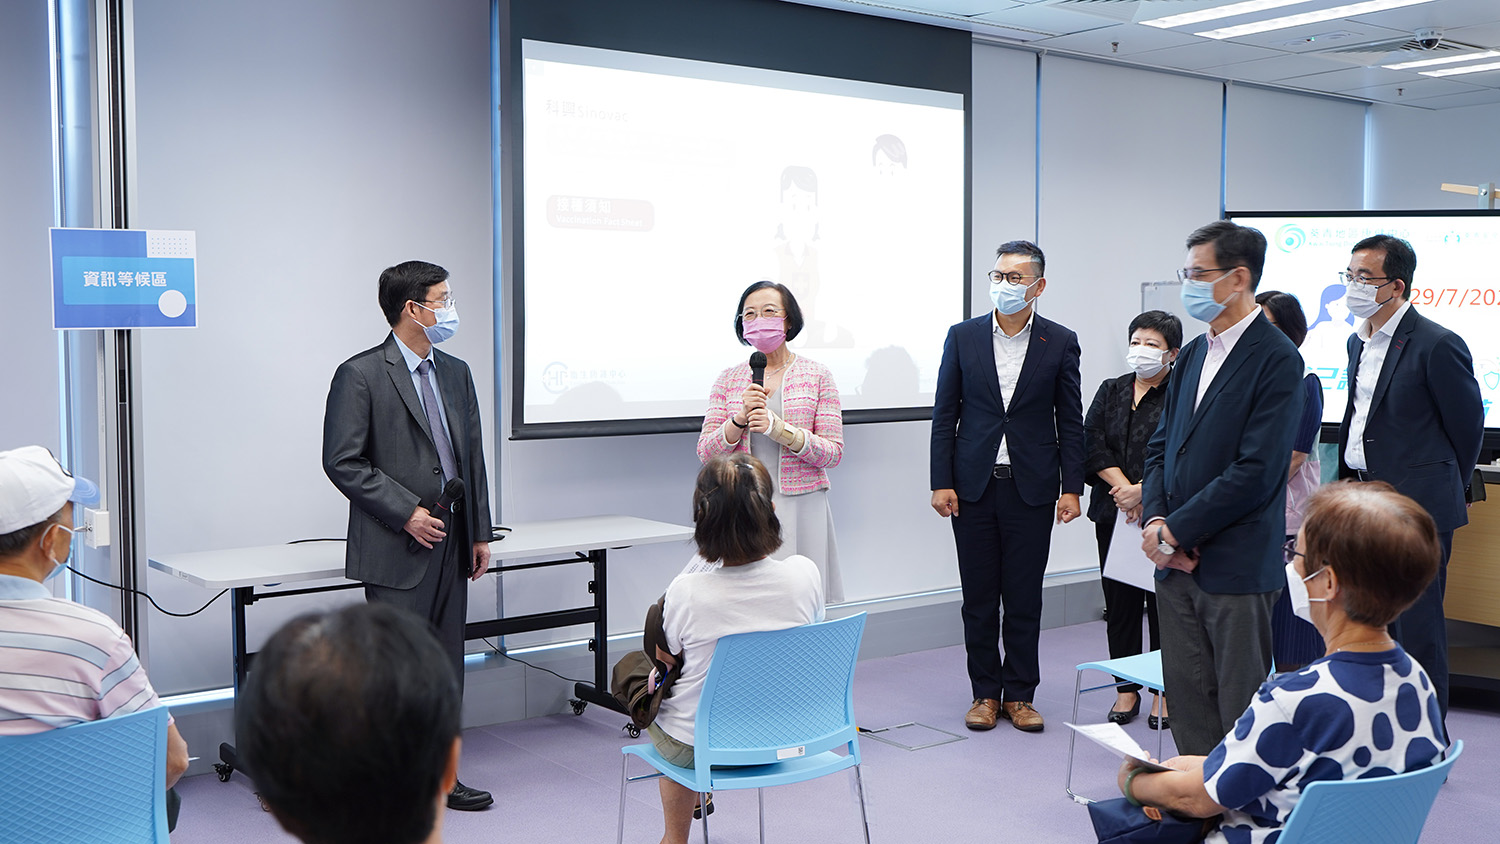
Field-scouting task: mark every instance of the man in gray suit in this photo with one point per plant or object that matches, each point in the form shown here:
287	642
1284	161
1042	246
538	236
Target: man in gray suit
402	422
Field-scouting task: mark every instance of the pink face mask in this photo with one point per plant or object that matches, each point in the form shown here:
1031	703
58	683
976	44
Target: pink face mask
766	334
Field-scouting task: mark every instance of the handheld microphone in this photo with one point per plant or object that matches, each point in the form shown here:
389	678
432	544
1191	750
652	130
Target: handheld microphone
758	368
453	492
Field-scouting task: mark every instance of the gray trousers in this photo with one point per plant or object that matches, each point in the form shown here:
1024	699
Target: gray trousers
1215	653
442	596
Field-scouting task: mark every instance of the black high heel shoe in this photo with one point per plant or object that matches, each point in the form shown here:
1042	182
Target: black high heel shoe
1122	718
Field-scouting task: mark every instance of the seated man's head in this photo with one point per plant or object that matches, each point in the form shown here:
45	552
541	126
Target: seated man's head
349	725
735	521
36	512
1380	549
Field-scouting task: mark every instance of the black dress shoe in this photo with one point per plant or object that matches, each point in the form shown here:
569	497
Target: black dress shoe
1162	723
466	799
1122	718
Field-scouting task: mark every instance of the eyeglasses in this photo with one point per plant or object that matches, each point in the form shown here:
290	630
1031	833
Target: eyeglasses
769	312
440	303
1289	551
1196	273
1349	278
1009	278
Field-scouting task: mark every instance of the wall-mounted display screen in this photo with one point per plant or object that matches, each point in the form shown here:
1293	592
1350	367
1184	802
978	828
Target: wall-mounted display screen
1456	284
656	189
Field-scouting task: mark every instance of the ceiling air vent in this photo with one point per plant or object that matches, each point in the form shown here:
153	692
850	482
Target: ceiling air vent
1396	50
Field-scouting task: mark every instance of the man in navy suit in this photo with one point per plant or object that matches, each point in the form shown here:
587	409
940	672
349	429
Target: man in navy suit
1007	441
1414	419
1213	498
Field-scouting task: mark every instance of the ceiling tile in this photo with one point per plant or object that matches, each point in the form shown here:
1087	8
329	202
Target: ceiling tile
1353	78
1316	36
1481	96
1483	79
1444	14
1204	53
960	8
1277	68
1413	91
1045	19
1485	35
1133	38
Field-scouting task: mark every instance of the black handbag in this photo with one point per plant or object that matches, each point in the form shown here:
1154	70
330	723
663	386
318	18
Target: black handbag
1118	822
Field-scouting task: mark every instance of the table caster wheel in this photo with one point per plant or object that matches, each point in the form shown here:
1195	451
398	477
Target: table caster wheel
578	706
224	771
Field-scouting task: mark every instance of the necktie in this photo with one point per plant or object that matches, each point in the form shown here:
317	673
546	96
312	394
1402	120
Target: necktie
435	422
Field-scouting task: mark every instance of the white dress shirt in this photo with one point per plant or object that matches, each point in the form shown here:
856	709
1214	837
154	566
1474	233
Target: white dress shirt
1371	361
1219	347
1010	355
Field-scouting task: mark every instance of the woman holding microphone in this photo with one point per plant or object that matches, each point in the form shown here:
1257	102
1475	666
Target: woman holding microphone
791	422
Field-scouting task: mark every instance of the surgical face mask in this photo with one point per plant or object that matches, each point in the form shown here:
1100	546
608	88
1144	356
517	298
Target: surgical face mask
766	334
1146	361
1010	298
446	325
1360	299
1296	590
1198	299
57	565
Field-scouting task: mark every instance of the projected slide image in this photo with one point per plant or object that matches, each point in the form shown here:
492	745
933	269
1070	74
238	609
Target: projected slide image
656	190
1456	285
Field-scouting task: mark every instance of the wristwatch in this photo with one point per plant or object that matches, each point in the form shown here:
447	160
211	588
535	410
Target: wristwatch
1163	546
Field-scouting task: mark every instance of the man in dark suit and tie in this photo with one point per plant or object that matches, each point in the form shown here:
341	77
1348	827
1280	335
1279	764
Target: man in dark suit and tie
402	421
1213	497
1007	442
1414	419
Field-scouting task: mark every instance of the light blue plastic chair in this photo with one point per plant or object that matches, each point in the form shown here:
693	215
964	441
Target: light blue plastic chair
775	705
1144	669
100	782
1382	810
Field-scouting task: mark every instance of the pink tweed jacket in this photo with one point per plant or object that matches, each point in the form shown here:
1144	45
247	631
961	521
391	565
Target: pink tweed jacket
810	400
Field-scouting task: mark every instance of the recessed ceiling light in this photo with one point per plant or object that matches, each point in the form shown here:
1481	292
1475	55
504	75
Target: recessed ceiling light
1308	17
1455	71
1488	54
1214	14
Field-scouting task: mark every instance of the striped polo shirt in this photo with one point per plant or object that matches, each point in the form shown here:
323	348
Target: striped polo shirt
62	663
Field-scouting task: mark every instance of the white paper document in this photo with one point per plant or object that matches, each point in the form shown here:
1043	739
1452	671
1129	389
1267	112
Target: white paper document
1112	737
1126	562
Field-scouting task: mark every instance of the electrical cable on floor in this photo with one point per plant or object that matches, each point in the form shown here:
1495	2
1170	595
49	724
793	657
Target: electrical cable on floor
496	649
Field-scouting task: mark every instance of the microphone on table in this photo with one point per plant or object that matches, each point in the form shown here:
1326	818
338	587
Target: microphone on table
758	368
453	492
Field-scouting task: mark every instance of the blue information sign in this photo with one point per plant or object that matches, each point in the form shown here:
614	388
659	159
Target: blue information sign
114	278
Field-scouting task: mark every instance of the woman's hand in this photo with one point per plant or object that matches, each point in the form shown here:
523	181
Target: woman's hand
1127	496
760	419
752	399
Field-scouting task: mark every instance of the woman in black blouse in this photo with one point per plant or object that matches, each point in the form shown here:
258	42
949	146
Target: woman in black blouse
1120	421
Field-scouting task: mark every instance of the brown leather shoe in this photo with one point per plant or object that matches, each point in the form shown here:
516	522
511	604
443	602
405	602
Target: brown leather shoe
982	714
1020	714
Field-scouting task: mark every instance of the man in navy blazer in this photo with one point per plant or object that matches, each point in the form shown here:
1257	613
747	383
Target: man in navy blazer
1213	497
1414	419
1007	441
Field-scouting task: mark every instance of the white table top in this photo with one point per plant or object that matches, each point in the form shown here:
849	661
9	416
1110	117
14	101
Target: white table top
270	564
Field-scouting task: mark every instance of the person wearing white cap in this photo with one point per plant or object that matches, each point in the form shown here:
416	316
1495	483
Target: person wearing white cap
64	663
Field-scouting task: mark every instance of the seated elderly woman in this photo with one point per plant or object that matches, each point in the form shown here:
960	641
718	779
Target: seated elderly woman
737	526
1365	709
